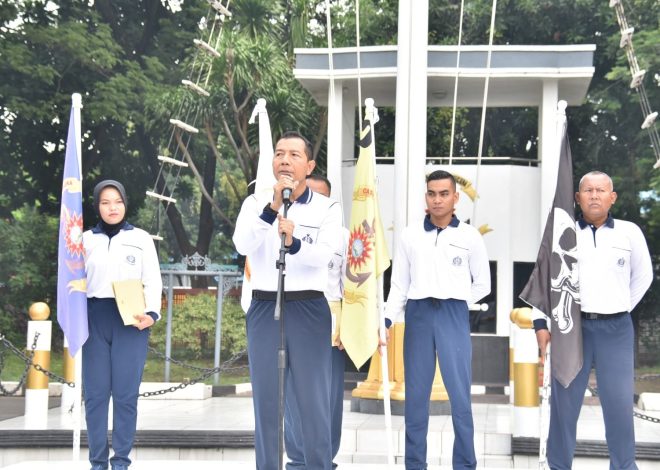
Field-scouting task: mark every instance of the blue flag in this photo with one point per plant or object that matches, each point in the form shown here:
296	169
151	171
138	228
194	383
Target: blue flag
71	277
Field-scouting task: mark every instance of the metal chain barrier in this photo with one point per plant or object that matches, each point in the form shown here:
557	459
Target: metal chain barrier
11	347
28	363
636	414
207	372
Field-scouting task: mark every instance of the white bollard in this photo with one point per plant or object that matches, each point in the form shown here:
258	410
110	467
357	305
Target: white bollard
36	387
526	411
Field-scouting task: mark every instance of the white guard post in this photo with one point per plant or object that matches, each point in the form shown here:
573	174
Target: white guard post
36	390
526	415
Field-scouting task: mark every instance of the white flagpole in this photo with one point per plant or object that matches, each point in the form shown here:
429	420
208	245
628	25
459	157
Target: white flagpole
76	102
265	179
387	411
264	182
77	406
371	114
545	411
547	365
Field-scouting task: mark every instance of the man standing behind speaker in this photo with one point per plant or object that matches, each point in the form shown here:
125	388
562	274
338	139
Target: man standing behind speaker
312	233
334	293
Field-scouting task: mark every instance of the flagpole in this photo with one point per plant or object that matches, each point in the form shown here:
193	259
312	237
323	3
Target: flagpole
263	182
387	410
545	411
76	103
371	114
547	365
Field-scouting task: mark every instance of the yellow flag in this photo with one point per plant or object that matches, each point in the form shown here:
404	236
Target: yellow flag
367	258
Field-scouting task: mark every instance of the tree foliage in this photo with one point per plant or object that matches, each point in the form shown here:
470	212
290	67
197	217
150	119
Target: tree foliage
27	271
127	58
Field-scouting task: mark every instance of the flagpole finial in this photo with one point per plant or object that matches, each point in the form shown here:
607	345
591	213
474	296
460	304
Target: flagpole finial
561	106
260	107
76	100
370	110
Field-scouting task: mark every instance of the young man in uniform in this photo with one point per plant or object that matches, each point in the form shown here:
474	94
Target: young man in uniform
440	267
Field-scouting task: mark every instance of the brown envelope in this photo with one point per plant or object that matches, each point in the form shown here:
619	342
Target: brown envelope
129	295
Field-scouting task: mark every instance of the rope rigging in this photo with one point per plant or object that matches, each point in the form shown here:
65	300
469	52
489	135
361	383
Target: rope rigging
176	155
484	106
637	81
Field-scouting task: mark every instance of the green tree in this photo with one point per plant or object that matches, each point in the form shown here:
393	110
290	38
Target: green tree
27	271
117	54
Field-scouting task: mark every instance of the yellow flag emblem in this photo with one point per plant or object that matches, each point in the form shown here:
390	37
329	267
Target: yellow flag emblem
367	258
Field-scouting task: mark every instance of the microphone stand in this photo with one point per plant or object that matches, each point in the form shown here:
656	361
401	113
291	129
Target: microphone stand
281	352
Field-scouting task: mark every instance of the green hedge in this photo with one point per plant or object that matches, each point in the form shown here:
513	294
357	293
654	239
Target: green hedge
193	327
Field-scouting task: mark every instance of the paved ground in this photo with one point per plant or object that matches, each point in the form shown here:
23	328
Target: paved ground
362	440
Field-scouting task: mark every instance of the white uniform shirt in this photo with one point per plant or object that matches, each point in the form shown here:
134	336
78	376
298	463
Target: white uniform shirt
130	254
335	289
317	233
614	266
442	264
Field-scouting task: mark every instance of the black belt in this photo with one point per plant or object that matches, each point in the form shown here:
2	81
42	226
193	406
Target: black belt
288	295
602	316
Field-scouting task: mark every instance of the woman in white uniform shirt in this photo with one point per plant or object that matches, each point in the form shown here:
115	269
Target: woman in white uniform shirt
114	354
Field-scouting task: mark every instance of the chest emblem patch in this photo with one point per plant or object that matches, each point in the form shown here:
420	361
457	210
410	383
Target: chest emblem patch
457	261
621	262
130	259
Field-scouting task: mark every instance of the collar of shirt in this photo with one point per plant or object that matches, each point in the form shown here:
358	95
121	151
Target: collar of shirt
584	224
305	197
429	226
98	228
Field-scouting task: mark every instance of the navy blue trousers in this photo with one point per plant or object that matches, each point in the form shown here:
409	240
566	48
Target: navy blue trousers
113	362
293	439
307	325
608	347
442	328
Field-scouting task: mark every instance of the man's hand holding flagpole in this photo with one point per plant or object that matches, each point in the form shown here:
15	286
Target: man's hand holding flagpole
545	411
566	359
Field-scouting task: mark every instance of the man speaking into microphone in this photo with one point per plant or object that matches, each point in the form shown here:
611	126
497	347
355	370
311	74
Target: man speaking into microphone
312	234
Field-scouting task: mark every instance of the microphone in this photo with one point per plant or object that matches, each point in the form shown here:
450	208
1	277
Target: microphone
286	195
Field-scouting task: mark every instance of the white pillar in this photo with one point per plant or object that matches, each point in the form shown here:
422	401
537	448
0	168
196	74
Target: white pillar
504	288
411	104
335	138
548	146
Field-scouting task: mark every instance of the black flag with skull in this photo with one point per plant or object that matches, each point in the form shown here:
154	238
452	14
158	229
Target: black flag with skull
553	287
